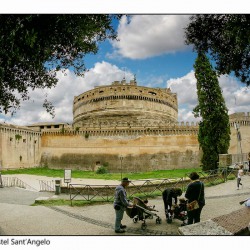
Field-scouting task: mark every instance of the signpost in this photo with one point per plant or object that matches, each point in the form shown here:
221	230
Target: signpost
1	181
67	176
121	159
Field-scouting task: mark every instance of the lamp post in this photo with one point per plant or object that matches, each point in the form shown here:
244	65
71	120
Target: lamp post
121	159
239	149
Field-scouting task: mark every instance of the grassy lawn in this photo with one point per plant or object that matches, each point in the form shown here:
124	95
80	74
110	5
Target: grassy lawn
175	173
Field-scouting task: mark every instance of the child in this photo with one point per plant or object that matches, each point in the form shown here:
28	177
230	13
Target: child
240	173
151	208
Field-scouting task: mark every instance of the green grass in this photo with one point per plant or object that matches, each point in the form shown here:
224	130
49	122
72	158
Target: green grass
62	202
175	173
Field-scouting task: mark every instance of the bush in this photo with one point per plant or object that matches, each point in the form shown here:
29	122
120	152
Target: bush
102	170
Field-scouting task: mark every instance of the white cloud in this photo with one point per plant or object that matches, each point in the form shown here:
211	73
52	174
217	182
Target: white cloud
62	95
236	95
144	36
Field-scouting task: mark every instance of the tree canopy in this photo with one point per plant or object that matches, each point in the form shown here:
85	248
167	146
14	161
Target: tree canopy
214	129
226	38
34	47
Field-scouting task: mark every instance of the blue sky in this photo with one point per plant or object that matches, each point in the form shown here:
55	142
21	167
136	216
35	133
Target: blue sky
150	46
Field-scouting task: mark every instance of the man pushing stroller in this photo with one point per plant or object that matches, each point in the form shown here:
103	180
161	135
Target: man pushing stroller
169	195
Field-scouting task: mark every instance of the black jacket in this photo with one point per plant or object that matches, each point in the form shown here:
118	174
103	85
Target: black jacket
195	189
168	195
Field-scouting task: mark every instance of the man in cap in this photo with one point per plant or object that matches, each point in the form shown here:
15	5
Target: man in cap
120	204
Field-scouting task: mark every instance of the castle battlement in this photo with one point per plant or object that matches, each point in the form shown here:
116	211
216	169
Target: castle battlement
241	118
22	130
125	132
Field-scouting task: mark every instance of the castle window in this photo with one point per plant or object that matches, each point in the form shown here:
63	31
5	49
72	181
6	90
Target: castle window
11	139
56	126
35	141
48	126
152	93
24	140
101	91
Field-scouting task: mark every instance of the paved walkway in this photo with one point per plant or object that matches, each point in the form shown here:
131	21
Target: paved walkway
19	218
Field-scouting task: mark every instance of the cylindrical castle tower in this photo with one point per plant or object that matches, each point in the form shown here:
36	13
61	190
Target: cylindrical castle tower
125	104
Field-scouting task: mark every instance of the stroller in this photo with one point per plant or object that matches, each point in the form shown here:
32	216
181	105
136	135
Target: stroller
141	211
179	212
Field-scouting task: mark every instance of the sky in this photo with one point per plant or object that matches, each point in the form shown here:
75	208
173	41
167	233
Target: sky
151	47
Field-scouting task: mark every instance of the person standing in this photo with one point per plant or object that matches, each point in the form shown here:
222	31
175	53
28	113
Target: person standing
249	163
239	175
120	204
195	191
169	195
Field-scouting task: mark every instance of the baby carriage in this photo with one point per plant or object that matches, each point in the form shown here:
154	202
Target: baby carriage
179	212
141	211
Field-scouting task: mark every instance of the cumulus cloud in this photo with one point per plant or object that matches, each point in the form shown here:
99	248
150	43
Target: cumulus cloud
144	36
69	85
236	95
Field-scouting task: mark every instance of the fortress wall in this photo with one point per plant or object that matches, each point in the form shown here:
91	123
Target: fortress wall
243	120
20	148
140	154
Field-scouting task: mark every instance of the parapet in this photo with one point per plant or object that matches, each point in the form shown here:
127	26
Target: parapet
241	118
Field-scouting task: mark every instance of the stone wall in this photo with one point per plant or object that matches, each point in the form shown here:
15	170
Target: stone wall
19	147
243	121
141	153
144	147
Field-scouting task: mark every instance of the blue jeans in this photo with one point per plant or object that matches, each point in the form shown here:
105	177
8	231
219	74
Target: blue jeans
118	218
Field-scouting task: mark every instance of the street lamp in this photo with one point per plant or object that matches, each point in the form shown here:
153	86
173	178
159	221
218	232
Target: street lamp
237	127
121	159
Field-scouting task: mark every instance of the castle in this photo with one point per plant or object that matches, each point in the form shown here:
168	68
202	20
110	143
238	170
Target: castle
122	125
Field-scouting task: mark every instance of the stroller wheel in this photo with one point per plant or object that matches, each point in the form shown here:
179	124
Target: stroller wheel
158	220
143	226
135	219
169	220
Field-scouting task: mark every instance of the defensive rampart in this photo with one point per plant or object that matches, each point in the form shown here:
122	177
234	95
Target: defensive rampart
243	121
142	149
19	147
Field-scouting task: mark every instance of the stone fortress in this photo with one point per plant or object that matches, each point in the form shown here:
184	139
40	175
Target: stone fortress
122	104
122	126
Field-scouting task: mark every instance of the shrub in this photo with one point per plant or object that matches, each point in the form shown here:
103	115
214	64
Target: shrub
102	170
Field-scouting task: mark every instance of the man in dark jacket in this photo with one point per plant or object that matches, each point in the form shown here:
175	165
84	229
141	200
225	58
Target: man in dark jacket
195	191
120	204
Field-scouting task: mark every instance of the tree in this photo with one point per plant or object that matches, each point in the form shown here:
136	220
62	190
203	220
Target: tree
226	38
214	129
34	47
